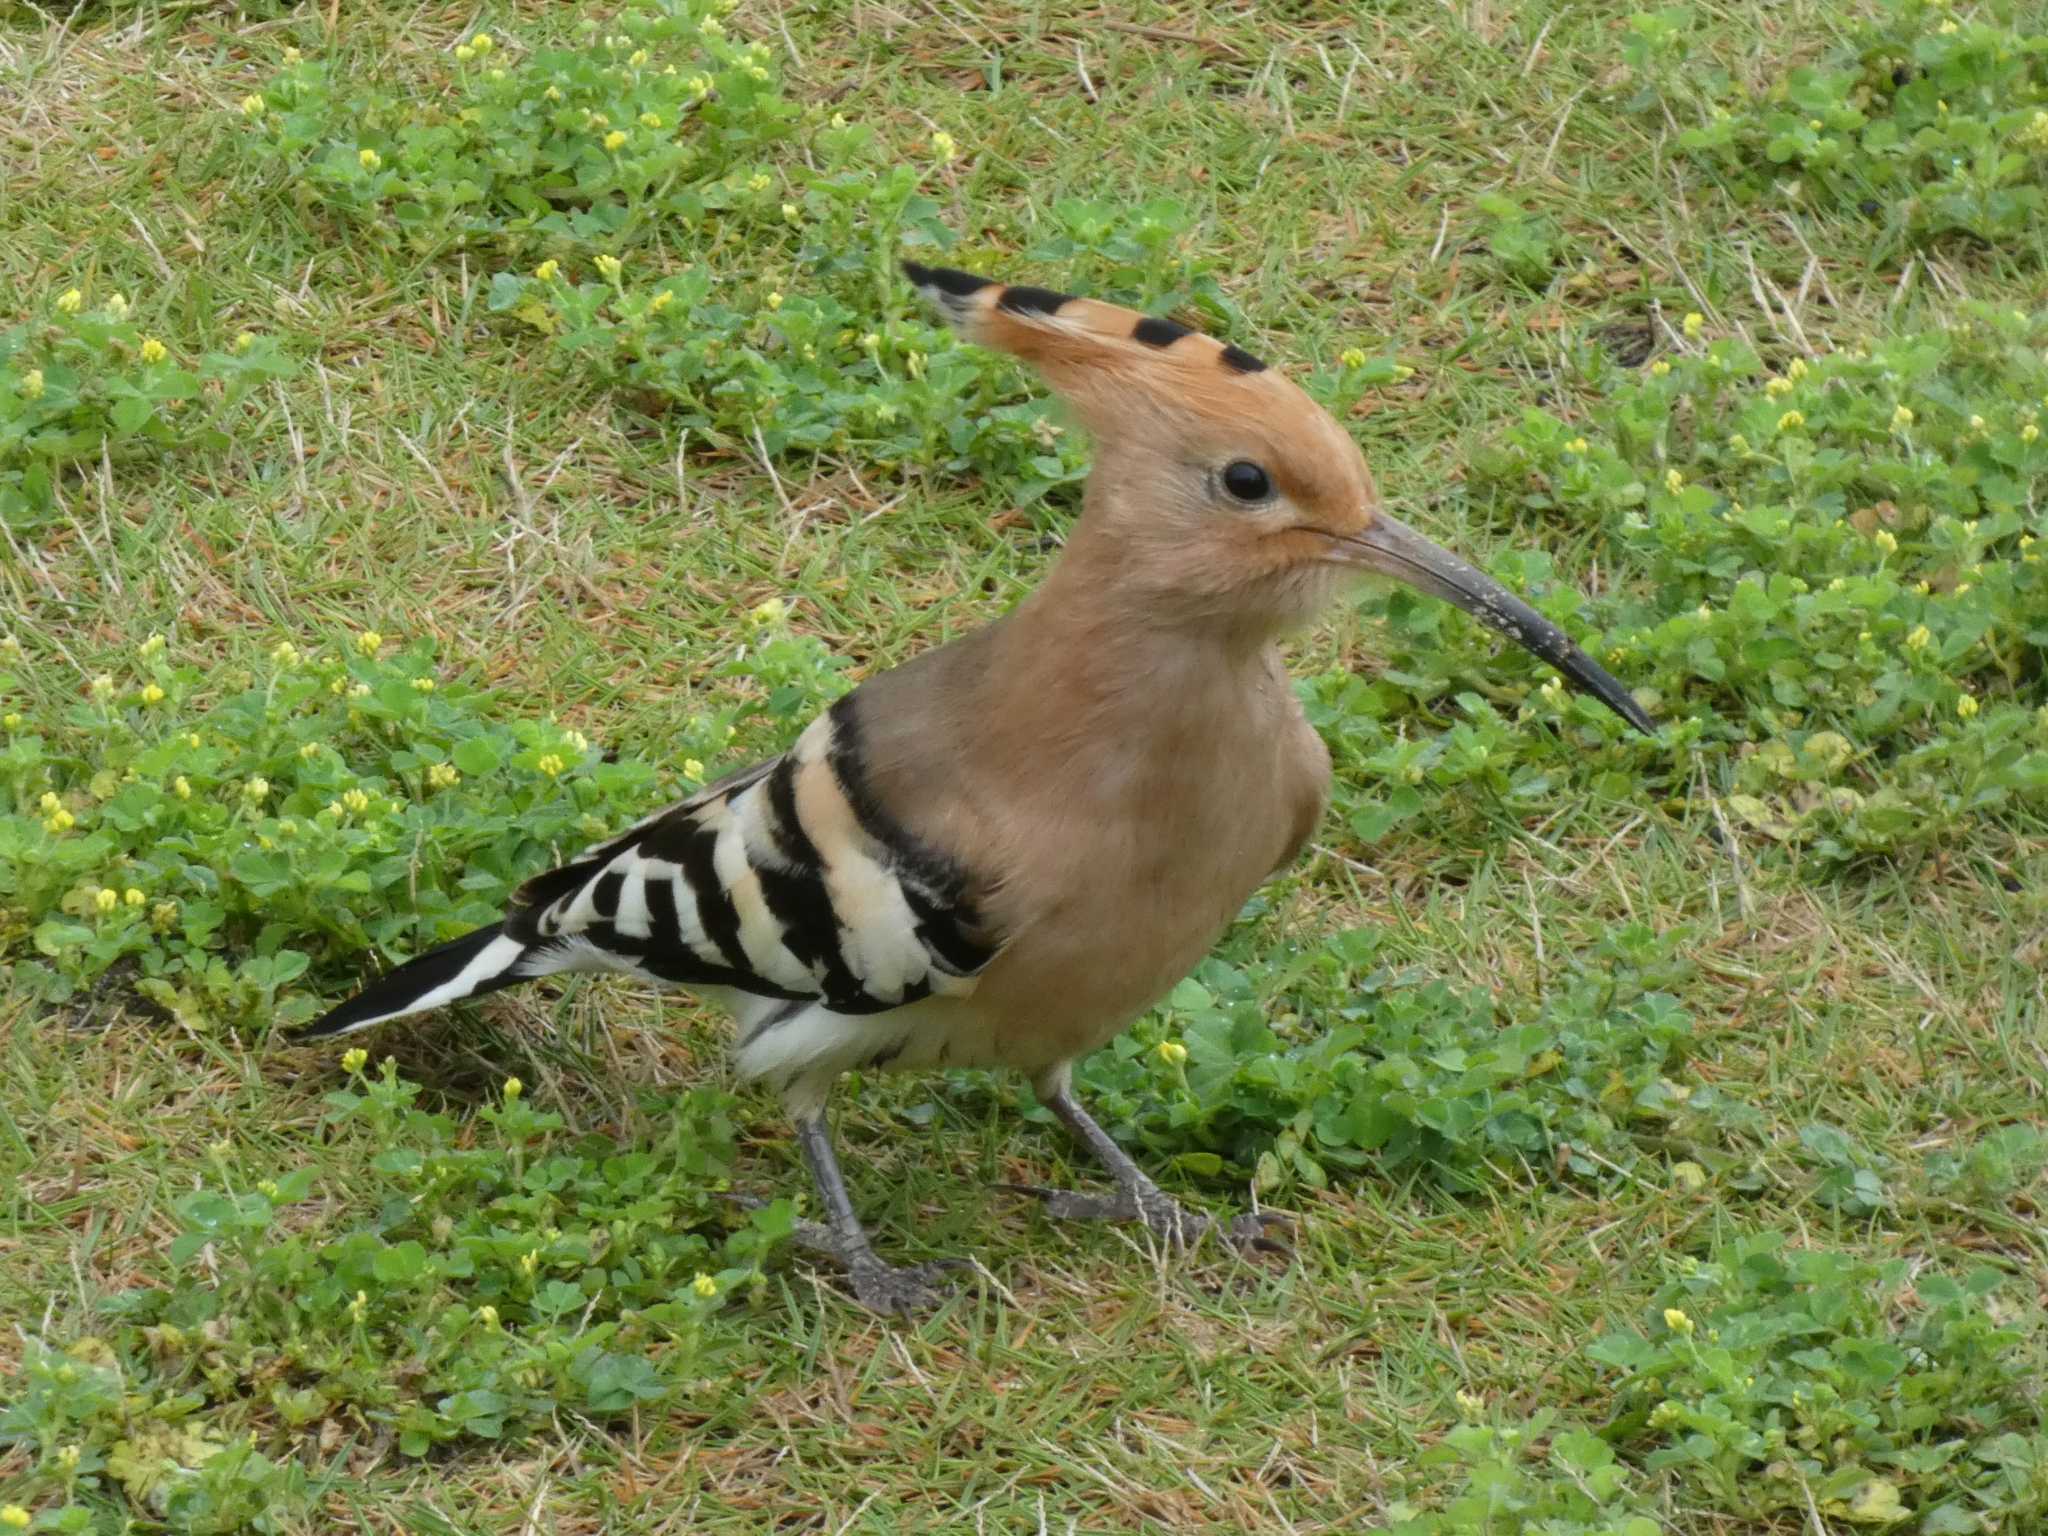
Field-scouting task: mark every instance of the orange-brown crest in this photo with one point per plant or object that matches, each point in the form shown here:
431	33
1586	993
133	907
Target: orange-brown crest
1180	420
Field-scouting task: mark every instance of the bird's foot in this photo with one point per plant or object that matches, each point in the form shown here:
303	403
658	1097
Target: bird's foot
1166	1218
892	1290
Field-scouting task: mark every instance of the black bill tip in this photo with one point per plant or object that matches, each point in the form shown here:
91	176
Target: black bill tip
1399	551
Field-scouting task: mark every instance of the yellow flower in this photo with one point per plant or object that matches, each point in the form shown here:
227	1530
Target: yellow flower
59	820
1797	370
650	120
354	1059
1918	639
2029	432
1659	368
1577	445
609	264
31	385
2027	541
443	776
369	159
424	685
548	270
132	897
711	28
182	787
760	181
636	60
1737	443
770	612
529	1261
70	301
552	93
692	769
14	1517
481	42
256	788
49	805
1947	27
1885	540
117	305
1673	481
615	140
464	53
151	694
369	642
551	765
704	1285
1902	418
252	105
151	646
1471	1407
1791	421
513	1088
660	301
487	1315
358	1307
355	800
292	56
1966	706
1694	324
163	914
1173	1053
944	148
103	687
1777	387
105	899
1977	423
12	721
1677	1321
790	215
153	351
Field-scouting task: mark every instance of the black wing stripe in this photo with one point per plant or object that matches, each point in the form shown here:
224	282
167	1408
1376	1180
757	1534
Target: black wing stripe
721	919
909	856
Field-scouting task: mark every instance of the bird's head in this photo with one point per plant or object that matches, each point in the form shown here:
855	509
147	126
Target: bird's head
1223	494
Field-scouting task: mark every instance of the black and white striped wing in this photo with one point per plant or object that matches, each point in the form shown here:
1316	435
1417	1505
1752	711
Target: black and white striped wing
785	881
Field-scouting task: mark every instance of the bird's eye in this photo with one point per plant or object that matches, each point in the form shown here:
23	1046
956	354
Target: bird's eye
1246	481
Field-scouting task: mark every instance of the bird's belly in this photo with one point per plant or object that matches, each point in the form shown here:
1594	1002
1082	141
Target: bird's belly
792	1046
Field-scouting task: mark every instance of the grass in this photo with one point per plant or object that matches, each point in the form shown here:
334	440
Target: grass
428	472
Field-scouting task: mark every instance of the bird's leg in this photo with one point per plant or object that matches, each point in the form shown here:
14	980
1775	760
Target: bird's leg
879	1287
1137	1197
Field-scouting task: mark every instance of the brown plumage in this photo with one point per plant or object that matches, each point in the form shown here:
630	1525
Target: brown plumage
1003	851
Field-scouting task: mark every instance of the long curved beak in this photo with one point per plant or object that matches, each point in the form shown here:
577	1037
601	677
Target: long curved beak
1394	549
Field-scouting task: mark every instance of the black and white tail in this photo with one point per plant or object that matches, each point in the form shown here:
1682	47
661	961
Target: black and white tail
481	962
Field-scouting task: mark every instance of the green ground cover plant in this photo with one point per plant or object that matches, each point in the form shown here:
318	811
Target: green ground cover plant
1929	122
1661	1118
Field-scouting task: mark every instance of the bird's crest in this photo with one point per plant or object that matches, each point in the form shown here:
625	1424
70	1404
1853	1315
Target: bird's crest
1106	360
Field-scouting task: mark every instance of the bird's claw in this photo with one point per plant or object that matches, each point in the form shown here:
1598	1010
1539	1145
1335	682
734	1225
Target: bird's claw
901	1290
1167	1219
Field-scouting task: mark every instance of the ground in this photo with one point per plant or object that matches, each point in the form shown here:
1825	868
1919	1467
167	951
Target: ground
429	469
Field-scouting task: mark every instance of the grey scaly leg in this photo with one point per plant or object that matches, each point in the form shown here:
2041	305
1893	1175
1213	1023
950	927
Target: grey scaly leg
1137	1197
879	1287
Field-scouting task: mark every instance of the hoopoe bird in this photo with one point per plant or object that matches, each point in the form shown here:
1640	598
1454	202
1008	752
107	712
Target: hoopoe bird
1003	851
